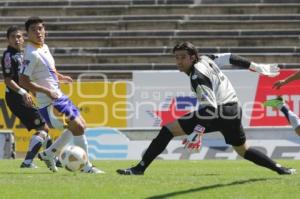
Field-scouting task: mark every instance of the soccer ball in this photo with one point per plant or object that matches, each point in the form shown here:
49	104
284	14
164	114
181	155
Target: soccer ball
73	158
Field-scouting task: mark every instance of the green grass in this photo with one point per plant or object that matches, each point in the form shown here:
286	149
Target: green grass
164	179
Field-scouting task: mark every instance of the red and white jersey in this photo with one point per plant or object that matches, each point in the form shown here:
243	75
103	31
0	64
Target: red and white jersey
39	66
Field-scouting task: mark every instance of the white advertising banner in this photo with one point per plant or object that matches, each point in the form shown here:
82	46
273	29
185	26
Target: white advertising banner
109	143
161	96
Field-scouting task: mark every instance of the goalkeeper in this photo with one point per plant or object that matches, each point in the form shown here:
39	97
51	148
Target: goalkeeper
219	109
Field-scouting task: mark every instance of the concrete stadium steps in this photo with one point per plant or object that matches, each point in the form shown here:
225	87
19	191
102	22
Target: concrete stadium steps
133	2
168	50
162	22
79	68
171	33
154	9
169	41
123	71
92	2
162	58
288	37
124	35
119	67
264	17
175	24
160	55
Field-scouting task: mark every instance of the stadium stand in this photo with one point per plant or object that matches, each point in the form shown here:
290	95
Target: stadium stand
124	35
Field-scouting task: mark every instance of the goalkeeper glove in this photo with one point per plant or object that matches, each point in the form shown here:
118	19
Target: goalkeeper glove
194	140
270	70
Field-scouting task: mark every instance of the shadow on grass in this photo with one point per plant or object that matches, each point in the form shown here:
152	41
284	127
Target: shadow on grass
210	174
27	172
24	173
214	186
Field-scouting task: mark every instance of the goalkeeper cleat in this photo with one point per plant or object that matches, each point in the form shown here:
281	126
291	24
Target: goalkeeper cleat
130	171
29	166
287	171
274	103
49	161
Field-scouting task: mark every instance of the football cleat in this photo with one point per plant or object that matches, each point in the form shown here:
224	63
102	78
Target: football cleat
130	171
58	162
287	171
29	166
92	169
49	161
274	103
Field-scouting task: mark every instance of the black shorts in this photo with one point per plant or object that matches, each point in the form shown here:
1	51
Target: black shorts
29	116
226	119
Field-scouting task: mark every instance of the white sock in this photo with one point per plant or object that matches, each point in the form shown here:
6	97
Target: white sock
59	143
81	141
34	140
34	145
294	120
291	116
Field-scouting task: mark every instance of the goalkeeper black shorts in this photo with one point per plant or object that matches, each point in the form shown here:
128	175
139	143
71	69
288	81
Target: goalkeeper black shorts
225	119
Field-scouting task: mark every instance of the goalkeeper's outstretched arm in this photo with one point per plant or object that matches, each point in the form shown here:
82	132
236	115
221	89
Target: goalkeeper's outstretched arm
224	59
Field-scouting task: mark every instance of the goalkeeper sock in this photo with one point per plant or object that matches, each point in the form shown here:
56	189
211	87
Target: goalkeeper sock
261	159
291	116
155	148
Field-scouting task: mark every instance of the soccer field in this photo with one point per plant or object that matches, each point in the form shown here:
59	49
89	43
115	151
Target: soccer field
164	179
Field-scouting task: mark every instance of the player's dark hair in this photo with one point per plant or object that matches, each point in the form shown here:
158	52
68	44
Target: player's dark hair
12	29
189	47
33	20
